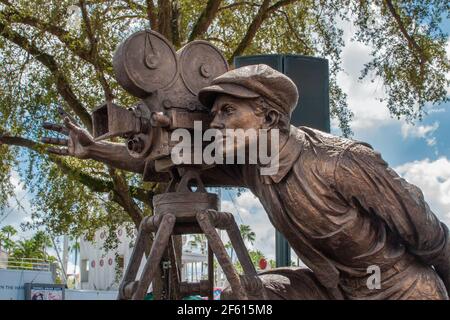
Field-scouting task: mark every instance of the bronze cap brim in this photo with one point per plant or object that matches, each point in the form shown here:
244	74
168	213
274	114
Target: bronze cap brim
208	95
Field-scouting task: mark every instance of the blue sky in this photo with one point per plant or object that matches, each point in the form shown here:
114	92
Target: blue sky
420	152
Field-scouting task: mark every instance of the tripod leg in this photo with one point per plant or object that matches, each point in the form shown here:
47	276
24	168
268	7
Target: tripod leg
221	254
174	273
211	273
239	247
159	246
249	280
142	242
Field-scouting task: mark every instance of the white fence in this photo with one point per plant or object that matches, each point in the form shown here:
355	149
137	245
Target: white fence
25	264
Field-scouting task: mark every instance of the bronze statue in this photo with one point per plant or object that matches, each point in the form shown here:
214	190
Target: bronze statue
340	206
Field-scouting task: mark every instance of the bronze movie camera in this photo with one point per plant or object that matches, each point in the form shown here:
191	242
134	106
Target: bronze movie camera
167	83
147	66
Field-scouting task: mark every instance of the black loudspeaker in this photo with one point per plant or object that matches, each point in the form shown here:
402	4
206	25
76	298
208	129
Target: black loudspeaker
310	74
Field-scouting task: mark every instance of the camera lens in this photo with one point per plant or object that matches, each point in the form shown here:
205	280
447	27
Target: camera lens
135	145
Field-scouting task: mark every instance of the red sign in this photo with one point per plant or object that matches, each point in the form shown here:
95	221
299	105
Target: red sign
263	264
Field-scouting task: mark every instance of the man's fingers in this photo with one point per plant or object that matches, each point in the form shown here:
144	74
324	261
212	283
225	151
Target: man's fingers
63	114
55	127
56	141
59	151
69	124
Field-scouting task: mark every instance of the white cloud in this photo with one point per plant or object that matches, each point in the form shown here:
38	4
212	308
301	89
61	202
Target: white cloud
421	131
15	214
437	110
248	210
433	178
363	97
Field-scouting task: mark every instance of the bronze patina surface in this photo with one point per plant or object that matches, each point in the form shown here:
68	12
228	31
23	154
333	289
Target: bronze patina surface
337	202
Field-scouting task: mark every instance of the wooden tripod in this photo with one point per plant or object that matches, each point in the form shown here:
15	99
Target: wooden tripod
184	211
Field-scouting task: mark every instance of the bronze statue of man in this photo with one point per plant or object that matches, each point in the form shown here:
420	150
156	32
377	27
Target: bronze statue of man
339	205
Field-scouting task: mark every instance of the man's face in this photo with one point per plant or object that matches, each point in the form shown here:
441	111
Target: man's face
235	113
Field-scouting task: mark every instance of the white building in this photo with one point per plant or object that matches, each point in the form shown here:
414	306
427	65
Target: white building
98	268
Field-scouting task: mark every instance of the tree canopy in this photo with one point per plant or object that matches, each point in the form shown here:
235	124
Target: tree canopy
56	58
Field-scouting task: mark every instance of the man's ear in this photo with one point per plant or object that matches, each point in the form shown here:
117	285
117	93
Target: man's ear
271	119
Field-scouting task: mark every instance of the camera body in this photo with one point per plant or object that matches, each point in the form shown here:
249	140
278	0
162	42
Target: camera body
147	66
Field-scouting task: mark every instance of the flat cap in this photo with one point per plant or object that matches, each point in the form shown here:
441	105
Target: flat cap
254	81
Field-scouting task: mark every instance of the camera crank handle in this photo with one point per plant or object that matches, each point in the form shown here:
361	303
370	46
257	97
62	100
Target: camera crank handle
158	119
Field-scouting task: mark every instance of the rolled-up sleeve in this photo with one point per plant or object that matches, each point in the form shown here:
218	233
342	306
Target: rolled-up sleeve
364	179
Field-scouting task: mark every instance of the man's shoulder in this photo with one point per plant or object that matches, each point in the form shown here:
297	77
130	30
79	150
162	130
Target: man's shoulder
325	150
318	152
319	140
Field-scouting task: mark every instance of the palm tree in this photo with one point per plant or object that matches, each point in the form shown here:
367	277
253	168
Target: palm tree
199	240
6	233
9	231
34	247
247	233
75	247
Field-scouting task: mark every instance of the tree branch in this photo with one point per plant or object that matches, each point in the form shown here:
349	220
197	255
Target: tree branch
12	15
94	53
90	55
279	4
94	184
251	31
412	44
265	10
62	84
121	195
151	14
164	18
291	27
175	24
205	19
238	4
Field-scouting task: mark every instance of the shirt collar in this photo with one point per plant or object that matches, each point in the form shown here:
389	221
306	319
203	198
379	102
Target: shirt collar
288	155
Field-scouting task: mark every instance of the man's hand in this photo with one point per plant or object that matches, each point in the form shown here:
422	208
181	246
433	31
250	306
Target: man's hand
78	143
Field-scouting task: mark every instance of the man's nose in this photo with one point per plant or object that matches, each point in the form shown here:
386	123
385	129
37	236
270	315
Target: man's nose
217	124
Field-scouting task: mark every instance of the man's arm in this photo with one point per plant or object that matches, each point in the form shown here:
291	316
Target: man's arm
80	144
362	175
115	155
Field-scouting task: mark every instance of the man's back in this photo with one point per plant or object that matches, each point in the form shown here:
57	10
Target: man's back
340	232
